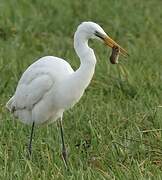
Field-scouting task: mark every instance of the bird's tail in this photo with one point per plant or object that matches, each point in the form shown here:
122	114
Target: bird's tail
10	104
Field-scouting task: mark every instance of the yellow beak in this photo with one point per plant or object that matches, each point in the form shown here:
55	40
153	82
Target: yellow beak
111	43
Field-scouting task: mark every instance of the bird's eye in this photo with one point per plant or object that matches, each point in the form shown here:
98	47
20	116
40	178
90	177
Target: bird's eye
98	34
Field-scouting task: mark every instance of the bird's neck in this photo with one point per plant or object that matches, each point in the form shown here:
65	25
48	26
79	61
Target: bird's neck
87	58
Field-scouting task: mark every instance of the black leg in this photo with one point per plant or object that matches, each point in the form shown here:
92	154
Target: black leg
64	151
30	141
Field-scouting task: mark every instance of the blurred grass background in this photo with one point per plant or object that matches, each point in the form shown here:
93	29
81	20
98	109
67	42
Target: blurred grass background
114	132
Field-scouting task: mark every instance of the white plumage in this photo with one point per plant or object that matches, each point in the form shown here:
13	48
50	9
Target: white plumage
49	86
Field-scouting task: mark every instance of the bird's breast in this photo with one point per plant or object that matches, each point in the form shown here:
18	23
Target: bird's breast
67	96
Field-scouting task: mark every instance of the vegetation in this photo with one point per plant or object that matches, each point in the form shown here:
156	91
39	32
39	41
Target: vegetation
115	131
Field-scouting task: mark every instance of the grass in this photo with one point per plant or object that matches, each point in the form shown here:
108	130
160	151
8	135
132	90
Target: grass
115	131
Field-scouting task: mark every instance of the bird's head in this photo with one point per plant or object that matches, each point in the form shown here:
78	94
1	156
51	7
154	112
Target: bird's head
91	30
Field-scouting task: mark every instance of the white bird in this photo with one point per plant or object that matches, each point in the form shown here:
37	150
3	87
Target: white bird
50	86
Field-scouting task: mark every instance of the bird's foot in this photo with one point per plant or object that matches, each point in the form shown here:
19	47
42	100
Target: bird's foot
64	157
29	151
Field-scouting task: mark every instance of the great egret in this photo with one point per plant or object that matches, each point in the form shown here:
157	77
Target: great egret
50	86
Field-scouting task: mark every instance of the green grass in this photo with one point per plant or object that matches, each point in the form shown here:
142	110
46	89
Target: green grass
107	132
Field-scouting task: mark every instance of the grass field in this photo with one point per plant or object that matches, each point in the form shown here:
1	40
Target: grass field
115	131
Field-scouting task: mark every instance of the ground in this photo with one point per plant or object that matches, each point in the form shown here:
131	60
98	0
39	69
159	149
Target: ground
115	131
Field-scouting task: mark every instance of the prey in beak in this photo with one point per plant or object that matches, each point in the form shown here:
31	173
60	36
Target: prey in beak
116	48
115	55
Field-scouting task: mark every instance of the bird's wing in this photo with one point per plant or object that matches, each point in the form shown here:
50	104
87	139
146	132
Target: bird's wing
29	93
